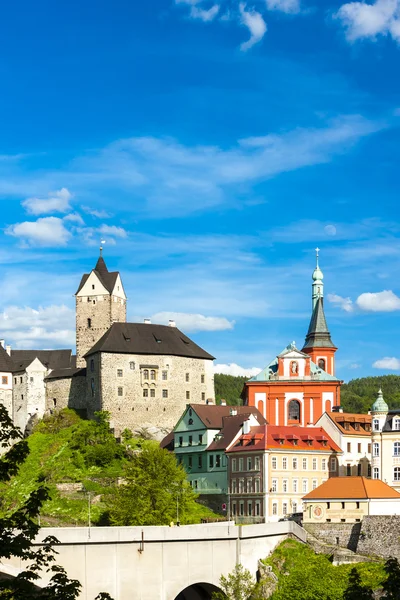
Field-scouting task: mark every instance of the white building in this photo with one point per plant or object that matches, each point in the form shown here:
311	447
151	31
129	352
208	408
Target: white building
385	439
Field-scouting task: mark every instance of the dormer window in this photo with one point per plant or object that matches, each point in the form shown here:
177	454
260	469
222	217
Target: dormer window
346	426
396	424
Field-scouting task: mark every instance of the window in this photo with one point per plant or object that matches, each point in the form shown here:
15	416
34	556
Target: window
396	449
189	462
396	474
369	470
190	440
375	424
258	509
203	396
145	374
241	486
273	462
322	364
294	410
294	464
187	377
284	463
359	470
164	375
180	441
54	402
30	379
274	485
333	464
295	486
211	461
376	448
200	439
284	508
15	380
187	395
152	393
4	380
314	464
348	447
274	508
376	473
249	463
305	486
284	485
120	391
92	386
20	379
92	286
257	463
218	460
369	448
165	393
132	365
153	375
234	464
120	372
241	508
145	393
249	509
200	461
233	486
257	485
314	484
359	448
348	470
294	507
323	464
89	323
240	464
92	365
304	464
396	424
203	379
249	485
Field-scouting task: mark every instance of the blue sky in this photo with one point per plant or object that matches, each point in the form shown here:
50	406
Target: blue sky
212	145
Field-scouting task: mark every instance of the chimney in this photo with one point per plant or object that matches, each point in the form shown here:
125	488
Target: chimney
246	427
171	323
147	321
2	343
223	402
8	350
233	412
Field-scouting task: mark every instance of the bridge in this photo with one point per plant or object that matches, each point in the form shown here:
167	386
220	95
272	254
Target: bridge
159	563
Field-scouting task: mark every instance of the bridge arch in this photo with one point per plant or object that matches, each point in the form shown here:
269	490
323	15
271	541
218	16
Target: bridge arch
198	591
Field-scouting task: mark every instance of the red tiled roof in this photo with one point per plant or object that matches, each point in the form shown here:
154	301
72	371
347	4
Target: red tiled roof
352	487
267	437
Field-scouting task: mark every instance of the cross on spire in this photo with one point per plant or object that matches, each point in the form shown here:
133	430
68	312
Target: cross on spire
317	254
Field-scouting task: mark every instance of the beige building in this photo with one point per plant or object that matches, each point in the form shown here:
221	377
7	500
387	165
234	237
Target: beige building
385	439
349	499
272	467
352	433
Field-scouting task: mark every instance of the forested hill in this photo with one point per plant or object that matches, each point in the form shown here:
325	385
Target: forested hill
356	396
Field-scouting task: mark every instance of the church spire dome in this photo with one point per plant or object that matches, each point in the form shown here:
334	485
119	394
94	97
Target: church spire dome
317	285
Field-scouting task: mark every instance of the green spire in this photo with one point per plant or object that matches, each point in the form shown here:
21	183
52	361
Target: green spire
379	405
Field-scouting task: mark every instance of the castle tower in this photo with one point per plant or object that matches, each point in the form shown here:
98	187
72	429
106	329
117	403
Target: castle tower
100	302
318	342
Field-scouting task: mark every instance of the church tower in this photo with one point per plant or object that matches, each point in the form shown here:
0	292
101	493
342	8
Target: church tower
100	302
318	344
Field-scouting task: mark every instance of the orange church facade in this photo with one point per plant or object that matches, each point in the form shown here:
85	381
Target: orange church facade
297	387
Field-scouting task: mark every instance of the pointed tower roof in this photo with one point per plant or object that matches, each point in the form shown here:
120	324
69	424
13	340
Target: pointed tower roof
107	279
379	405
318	335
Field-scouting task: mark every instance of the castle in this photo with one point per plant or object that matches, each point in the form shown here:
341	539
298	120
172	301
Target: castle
141	373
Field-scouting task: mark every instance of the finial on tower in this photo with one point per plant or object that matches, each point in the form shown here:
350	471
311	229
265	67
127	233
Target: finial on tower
102	242
317	255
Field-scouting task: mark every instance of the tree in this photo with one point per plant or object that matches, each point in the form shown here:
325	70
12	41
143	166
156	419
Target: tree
155	492
391	587
19	527
355	590
239	585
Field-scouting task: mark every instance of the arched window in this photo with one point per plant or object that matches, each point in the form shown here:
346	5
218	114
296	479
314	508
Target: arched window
145	374
152	374
396	449
294	411
396	474
376	424
322	364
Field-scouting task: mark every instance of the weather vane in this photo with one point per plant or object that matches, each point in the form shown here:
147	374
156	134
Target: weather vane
102	242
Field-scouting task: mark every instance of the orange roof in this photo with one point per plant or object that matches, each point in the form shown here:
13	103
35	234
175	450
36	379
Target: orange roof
290	437
351	418
352	487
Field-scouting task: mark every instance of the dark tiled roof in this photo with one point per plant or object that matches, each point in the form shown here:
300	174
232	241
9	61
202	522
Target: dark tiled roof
6	363
52	359
318	335
230	428
167	443
212	415
107	279
66	373
146	338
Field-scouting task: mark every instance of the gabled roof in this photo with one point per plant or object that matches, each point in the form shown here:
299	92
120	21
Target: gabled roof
212	415
340	419
290	437
106	278
318	335
344	488
66	373
231	426
6	363
52	359
146	338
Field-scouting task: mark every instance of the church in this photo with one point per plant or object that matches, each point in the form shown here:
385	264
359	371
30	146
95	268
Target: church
298	386
143	374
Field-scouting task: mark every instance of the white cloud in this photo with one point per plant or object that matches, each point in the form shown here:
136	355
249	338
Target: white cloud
56	202
43	327
362	20
205	15
286	6
48	231
255	23
385	301
236	370
388	363
190	323
74	218
345	304
112	231
99	214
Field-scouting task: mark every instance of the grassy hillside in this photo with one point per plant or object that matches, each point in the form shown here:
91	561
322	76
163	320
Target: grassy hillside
229	388
359	394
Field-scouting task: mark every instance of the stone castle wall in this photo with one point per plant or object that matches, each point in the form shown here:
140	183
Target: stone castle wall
117	385
345	535
68	392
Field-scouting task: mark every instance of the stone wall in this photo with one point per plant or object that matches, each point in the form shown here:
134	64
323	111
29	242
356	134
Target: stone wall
380	536
116	383
345	535
66	392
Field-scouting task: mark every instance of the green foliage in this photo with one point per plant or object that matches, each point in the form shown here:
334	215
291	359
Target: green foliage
356	590
239	585
155	489
304	575
391	587
18	529
359	394
229	388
